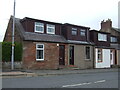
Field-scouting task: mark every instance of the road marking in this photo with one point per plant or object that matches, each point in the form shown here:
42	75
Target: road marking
73	85
76	84
100	81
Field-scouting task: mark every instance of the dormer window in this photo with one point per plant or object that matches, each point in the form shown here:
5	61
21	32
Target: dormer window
82	32
102	37
113	39
74	31
39	27
50	29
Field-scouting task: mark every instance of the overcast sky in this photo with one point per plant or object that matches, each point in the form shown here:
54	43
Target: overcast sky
88	13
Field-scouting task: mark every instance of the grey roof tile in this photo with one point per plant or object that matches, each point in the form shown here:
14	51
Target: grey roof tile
117	29
44	37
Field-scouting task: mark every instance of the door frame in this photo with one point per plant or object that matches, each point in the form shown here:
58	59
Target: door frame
71	62
63	54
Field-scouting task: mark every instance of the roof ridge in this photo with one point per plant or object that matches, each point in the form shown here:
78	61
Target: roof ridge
117	29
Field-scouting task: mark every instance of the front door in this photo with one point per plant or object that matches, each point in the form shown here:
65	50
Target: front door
116	57
61	55
112	57
71	55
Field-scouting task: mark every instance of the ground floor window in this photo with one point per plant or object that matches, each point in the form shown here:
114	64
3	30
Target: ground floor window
99	58
87	49
40	52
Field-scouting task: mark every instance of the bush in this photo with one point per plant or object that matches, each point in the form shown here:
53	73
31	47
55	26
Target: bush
7	51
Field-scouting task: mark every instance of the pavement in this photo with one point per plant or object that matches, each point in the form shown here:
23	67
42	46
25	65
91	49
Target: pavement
32	73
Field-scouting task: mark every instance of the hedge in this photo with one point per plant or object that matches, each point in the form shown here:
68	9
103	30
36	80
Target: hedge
7	51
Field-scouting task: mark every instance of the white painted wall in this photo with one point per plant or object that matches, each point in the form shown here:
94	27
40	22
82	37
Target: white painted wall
105	57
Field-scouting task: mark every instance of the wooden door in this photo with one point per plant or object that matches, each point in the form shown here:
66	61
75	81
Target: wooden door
61	55
116	57
71	55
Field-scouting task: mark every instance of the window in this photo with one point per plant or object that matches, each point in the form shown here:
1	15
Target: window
99	55
39	52
102	37
87	52
74	31
39	27
113	39
82	32
50	29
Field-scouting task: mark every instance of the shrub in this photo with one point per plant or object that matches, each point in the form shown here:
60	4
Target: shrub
7	51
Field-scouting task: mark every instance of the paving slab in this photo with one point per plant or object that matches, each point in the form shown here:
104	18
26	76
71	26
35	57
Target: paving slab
31	73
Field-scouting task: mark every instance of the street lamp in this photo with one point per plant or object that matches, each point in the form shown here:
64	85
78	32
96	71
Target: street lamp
13	32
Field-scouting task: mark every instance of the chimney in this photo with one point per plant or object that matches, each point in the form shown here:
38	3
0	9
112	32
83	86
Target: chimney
106	24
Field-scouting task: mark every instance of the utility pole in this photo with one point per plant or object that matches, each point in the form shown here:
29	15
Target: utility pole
13	32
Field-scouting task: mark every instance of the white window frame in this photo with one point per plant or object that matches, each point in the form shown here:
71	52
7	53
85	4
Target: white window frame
74	30
40	25
82	32
89	53
40	49
113	39
52	27
102	37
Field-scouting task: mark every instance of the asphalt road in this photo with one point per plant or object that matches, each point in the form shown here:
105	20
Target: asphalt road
91	80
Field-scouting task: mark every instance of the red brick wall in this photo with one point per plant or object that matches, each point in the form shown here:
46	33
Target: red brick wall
8	34
51	56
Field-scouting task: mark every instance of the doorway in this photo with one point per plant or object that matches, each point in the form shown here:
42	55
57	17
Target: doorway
71	55
62	55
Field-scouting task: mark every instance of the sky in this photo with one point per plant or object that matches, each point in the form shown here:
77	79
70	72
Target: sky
87	13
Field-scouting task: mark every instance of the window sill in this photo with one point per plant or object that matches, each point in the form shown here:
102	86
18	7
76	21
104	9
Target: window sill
102	41
99	61
39	60
39	32
87	59
50	33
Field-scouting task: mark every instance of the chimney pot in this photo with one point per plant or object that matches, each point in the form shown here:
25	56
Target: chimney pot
106	24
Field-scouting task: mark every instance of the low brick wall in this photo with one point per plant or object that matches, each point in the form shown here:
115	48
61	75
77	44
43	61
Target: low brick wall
7	65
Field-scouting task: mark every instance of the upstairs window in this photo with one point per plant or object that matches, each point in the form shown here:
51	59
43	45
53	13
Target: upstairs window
102	37
82	32
87	52
39	52
39	27
113	39
74	31
50	29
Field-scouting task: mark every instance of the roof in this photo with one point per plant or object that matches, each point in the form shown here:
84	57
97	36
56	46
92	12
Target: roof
77	25
39	20
33	36
44	37
117	29
99	31
79	42
104	47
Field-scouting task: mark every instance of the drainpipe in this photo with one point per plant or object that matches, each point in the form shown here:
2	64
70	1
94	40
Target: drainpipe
87	34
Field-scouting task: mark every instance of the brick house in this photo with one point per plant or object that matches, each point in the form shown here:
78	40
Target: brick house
105	55
50	45
80	48
106	26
